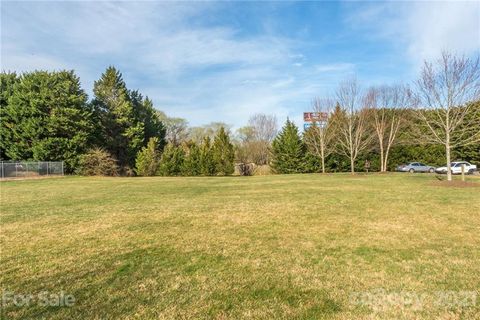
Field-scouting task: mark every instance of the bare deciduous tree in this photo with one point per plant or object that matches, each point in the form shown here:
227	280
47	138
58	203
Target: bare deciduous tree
176	128
388	105
351	124
318	137
264	129
446	90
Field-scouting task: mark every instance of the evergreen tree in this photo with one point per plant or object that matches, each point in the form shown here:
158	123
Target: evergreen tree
172	160
147	161
46	117
207	164
288	150
122	133
223	153
192	164
7	83
146	114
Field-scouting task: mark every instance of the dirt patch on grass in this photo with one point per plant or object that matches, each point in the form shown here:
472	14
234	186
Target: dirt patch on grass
456	184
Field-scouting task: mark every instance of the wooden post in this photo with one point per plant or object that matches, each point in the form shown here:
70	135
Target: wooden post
463	172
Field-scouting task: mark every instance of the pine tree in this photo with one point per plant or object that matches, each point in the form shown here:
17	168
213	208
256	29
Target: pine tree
223	153
122	133
46	117
145	113
192	163
207	164
288	150
172	160
7	83
148	161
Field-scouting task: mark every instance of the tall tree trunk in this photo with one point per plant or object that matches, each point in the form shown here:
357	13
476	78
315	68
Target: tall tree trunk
386	159
447	147
323	164
352	165
382	169
449	165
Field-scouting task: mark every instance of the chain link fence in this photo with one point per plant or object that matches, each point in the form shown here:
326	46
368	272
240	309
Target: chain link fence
30	169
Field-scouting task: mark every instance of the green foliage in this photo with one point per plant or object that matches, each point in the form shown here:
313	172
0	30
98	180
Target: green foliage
431	154
148	159
45	116
207	164
122	134
127	120
7	83
98	162
223	153
146	114
312	163
192	163
288	150
171	163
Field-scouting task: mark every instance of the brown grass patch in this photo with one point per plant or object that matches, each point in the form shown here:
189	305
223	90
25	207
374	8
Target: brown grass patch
456	184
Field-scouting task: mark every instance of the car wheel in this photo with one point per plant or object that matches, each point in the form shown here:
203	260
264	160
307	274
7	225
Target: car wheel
470	171
411	170
431	170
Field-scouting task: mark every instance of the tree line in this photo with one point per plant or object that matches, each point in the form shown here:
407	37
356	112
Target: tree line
47	116
441	111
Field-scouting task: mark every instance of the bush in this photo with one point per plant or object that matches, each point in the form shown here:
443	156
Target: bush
192	162
147	161
171	163
288	150
98	162
244	169
263	170
207	164
223	153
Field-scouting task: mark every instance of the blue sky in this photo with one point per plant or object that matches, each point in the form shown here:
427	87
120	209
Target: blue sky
219	61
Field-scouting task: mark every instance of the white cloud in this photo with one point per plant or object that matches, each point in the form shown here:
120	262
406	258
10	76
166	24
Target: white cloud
421	30
335	67
199	71
452	26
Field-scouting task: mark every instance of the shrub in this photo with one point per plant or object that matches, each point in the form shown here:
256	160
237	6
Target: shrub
98	162
148	159
288	150
192	165
223	153
207	164
172	160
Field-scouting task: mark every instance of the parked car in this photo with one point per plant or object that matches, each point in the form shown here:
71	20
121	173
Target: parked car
457	168
415	167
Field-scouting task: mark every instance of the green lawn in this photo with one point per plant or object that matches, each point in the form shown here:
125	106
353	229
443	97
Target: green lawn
264	247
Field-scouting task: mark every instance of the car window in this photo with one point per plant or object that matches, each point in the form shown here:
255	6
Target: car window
422	165
414	164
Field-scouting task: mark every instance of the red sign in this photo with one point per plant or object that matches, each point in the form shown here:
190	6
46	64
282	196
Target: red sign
315	116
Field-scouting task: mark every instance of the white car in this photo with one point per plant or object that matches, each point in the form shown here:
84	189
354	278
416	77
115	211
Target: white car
457	168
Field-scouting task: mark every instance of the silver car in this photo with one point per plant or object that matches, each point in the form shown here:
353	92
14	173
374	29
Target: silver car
415	167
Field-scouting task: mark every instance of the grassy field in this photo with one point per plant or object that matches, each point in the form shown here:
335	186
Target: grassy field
268	247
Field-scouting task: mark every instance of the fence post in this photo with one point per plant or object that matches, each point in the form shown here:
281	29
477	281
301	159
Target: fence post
48	169
62	170
463	172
